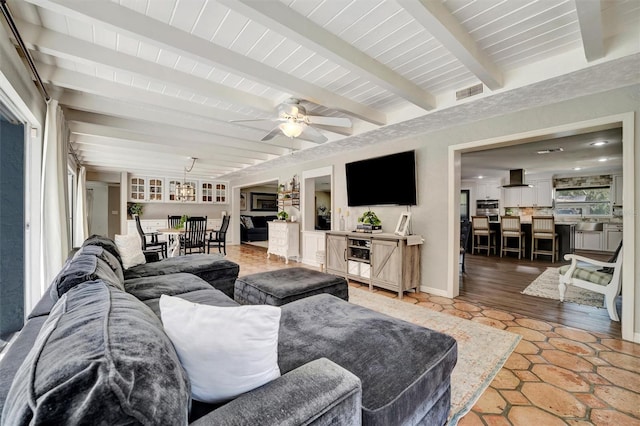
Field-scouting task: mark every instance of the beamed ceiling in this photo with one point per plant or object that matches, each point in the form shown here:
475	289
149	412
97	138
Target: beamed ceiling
144	84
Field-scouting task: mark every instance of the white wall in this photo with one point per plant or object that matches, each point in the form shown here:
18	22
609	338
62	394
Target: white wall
98	199
431	216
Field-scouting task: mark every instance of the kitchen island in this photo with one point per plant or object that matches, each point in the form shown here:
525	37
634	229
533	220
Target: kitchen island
565	231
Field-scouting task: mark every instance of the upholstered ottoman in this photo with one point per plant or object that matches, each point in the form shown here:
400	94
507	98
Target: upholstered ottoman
280	287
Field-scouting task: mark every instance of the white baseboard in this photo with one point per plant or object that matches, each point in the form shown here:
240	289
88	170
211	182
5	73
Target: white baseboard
636	337
434	291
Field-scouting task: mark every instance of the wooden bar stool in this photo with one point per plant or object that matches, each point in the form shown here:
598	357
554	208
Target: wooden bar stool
544	228
481	229
510	228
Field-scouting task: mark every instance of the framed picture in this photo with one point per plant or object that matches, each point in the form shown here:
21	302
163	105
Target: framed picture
243	201
402	228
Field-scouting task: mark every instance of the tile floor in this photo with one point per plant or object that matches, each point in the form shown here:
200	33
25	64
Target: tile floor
556	375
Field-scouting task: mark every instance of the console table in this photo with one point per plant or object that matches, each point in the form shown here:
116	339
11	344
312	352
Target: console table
380	260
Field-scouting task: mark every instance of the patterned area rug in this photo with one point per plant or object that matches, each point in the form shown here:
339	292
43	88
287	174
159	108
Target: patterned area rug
482	350
546	285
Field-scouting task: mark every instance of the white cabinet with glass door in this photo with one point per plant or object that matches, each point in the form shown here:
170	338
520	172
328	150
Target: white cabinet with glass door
213	192
145	188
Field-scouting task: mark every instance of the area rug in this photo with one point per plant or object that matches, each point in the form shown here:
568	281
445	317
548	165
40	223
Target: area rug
546	285
482	350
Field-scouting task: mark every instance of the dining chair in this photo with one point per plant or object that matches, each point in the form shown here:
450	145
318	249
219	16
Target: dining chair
173	221
195	233
219	238
510	227
153	246
480	228
544	228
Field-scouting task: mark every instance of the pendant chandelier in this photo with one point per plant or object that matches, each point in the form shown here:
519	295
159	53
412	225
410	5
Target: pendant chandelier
186	191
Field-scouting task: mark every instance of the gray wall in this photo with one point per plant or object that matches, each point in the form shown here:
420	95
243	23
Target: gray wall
11	227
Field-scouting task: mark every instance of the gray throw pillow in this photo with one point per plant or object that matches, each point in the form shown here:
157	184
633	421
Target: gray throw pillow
106	256
101	358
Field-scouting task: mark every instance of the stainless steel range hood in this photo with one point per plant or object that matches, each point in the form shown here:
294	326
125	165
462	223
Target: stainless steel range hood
516	179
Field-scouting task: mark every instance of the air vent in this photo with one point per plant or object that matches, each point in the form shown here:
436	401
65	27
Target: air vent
469	91
550	150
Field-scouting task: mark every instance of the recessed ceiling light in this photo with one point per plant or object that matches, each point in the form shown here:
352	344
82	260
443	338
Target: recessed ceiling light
577	168
602	159
550	150
599	143
480	177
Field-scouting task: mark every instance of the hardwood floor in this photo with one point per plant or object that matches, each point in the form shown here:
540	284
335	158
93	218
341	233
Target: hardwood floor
497	282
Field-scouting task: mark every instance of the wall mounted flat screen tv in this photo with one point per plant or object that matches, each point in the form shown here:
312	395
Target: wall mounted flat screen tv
387	180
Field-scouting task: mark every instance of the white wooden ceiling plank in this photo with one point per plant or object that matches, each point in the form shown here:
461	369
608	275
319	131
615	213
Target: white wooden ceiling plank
443	26
273	147
401	39
77	81
322	11
229	29
139	6
527	36
368	22
344	17
210	19
201	70
167	58
293	25
105	73
490	14
553	47
295	60
84	68
161	161
126	109
124	78
473	9
415	45
280	52
161	10
185	18
248	37
538	42
521	20
520	30
156	32
103	37
61	45
190	146
97	144
79	29
54	20
590	21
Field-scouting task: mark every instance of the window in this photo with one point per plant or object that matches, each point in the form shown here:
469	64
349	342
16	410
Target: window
583	201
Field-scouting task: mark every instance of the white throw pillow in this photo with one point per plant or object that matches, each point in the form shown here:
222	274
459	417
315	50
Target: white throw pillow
130	248
226	351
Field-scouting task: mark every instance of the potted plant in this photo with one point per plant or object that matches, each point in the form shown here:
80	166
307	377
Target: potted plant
183	220
369	218
134	209
282	215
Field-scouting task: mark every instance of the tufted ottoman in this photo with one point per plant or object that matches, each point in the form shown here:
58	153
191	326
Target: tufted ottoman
283	286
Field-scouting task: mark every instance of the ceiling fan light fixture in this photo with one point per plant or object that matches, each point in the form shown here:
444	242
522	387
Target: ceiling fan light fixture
291	129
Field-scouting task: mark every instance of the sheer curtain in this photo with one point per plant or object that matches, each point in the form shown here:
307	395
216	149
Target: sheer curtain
80	224
55	226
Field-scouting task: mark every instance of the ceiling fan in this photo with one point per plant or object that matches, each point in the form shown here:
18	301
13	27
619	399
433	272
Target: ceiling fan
295	122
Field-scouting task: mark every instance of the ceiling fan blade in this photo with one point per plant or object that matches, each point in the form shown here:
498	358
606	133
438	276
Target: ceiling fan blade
272	134
329	121
314	135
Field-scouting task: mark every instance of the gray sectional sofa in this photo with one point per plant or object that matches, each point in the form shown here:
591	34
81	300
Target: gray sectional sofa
94	351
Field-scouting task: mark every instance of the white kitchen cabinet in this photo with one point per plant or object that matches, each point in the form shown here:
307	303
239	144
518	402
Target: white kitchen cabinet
146	188
489	190
589	240
612	236
543	193
539	194
616	190
213	192
284	239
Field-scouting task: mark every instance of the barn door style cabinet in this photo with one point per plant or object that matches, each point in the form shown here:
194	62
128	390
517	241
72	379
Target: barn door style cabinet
379	260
